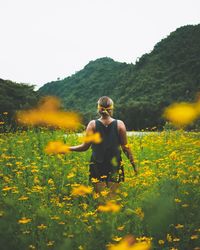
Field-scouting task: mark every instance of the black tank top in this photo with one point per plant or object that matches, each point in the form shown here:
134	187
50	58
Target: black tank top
110	145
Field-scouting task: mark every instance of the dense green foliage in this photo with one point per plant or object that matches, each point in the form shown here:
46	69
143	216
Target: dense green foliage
171	72
14	96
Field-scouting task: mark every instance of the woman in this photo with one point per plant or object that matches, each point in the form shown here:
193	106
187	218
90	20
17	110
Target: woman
106	169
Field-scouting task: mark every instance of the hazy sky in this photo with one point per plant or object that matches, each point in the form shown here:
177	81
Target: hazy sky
42	40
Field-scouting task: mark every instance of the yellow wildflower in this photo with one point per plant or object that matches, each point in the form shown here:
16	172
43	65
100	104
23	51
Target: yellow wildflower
23	198
56	147
169	238
116	238
181	114
185	205
70	175
48	114
96	195
50	243
6	188
173	155
139	212
161	242
1	213
110	206
81	190
55	217
128	243
194	237
104	192
176	239
50	181
32	247
41	227
177	200
24	220
94	180
121	228
92	137
179	226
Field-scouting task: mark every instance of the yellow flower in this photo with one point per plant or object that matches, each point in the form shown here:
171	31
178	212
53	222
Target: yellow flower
176	239
50	243
128	243
1	213
48	114
50	182
169	238
70	175
116	238
24	220
41	227
177	200
94	180
92	137
161	242
194	237
139	212
179	226
55	217
56	147
81	190
121	228
104	192
173	155
110	206
181	114
6	188
32	247
23	198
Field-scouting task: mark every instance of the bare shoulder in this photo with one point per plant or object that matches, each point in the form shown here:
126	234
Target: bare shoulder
121	124
91	124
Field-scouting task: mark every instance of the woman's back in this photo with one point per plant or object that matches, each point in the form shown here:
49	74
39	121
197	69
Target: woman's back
110	144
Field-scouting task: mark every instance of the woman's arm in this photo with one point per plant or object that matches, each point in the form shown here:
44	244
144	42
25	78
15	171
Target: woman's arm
124	144
84	146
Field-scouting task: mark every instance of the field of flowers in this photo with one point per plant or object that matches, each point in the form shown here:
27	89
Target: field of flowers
46	201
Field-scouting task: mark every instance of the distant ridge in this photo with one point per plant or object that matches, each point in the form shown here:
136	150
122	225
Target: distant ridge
170	73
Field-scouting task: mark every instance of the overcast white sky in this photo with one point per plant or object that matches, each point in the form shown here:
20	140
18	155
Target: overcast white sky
42	40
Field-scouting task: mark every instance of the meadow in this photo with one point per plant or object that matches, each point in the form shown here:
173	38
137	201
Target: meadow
47	202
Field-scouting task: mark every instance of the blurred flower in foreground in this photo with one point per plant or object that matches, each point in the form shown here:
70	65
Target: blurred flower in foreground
110	206
128	243
81	190
182	114
56	147
92	137
48	113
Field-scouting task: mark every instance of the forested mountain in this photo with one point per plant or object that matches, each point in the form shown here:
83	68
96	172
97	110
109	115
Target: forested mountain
171	72
14	96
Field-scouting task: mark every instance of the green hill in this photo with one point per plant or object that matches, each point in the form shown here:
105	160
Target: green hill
171	72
